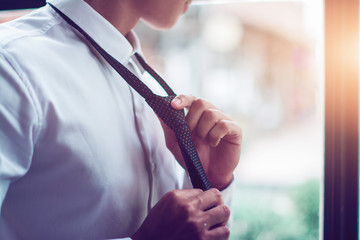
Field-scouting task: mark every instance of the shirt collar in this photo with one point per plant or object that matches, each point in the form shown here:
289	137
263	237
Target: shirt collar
102	31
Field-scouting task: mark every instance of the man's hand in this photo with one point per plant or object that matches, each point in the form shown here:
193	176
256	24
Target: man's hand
216	136
186	214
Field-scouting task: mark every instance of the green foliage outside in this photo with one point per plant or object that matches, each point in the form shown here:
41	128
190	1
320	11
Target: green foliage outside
265	213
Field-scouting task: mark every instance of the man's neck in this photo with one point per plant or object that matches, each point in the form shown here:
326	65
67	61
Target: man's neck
121	14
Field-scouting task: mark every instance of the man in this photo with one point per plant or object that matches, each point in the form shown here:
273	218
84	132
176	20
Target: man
82	156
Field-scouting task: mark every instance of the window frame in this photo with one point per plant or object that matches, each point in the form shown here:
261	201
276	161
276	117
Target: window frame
341	120
21	4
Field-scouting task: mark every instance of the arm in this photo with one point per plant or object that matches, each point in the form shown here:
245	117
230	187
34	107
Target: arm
18	124
192	213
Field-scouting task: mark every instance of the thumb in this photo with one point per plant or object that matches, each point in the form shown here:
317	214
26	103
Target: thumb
182	101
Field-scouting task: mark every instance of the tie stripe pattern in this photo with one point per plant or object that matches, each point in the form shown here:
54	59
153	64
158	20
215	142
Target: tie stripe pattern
173	118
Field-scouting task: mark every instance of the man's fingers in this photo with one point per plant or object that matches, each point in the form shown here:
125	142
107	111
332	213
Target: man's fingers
208	199
217	216
220	233
198	110
184	193
182	101
225	129
208	120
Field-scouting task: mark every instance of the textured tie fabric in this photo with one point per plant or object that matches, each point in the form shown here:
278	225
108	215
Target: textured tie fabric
175	119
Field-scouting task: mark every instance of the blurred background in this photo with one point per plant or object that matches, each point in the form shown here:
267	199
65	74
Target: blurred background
262	63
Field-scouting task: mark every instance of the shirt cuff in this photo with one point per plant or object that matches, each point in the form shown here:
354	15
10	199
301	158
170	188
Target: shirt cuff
227	195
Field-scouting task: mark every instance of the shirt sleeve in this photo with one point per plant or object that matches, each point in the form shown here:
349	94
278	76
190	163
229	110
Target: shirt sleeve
19	123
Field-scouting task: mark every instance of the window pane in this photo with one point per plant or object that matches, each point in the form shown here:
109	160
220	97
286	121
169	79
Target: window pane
261	62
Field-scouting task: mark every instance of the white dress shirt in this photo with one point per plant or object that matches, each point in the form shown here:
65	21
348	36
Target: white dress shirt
82	156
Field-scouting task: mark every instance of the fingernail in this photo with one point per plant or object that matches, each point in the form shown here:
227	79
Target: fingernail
176	101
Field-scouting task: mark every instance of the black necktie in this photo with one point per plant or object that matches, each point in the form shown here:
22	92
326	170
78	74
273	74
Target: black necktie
175	119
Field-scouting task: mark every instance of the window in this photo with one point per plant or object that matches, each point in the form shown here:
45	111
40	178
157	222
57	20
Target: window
262	62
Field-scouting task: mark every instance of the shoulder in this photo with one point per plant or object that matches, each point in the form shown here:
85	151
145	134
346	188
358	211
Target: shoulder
35	24
30	42
23	53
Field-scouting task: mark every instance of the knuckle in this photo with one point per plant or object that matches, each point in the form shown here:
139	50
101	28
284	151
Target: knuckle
184	211
200	103
198	201
210	114
226	210
224	125
187	210
215	191
226	232
217	194
222	233
213	136
172	195
198	190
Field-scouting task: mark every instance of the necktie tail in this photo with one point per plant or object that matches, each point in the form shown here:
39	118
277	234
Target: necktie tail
175	119
161	105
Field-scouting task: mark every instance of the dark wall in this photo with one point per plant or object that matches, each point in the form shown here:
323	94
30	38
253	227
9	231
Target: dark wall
20	4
